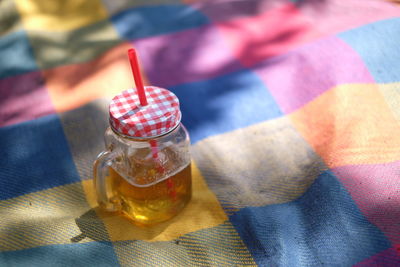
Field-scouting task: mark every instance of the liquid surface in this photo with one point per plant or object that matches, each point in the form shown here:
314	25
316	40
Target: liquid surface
155	203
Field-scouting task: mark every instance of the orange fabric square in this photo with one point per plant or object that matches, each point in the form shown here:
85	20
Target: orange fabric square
72	86
350	124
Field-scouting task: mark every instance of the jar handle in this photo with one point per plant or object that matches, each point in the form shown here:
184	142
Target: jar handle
100	169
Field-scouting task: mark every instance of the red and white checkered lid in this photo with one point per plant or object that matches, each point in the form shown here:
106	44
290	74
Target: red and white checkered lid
161	115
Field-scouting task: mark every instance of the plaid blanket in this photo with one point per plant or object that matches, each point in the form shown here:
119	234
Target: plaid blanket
293	108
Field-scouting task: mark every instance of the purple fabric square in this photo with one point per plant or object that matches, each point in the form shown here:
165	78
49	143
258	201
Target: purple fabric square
222	10
23	98
186	56
301	75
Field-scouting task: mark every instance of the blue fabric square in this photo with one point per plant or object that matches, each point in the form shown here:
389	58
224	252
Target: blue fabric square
16	56
35	156
224	104
147	21
82	254
324	227
378	45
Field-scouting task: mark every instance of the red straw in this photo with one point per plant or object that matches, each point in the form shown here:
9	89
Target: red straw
143	101
160	169
136	75
154	148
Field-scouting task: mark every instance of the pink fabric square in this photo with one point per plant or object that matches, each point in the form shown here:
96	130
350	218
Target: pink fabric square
222	10
376	191
254	39
186	56
334	16
23	98
302	74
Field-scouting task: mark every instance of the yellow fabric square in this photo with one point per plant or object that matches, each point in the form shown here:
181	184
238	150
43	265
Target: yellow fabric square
216	246
43	218
52	49
60	15
9	17
203	211
391	92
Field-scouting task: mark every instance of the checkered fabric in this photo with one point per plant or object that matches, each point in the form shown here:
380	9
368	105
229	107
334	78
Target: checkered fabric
292	106
160	116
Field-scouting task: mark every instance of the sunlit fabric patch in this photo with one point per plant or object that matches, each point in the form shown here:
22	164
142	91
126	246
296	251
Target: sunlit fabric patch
216	246
59	215
263	164
391	92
